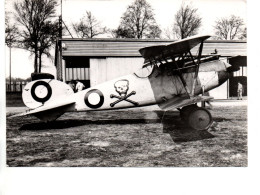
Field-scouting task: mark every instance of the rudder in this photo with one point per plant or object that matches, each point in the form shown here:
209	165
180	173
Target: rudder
40	92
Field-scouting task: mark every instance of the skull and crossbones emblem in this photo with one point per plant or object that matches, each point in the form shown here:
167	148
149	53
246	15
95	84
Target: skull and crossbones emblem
121	88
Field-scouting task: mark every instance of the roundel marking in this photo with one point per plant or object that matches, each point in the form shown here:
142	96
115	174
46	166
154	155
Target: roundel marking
45	87
90	98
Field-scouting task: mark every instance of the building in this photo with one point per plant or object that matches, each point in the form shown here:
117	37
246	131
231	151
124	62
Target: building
93	61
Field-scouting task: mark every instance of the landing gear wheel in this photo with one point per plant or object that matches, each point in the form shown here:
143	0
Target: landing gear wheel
199	119
185	111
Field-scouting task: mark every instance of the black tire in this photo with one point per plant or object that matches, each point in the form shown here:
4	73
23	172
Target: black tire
199	119
184	112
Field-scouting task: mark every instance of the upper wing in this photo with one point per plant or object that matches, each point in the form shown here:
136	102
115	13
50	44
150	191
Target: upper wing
178	47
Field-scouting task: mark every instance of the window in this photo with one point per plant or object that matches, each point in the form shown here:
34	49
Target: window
241	72
77	74
77	62
77	68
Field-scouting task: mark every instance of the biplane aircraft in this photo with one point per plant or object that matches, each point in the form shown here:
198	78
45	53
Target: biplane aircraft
171	76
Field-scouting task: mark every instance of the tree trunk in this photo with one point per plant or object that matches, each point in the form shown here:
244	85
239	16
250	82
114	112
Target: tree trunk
10	62
35	59
40	62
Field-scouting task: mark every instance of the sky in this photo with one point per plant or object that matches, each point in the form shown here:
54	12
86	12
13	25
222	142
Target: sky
108	12
164	11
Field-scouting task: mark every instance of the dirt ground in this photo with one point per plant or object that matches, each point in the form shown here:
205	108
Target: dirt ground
132	138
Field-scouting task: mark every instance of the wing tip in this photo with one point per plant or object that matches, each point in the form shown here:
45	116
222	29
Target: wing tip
18	115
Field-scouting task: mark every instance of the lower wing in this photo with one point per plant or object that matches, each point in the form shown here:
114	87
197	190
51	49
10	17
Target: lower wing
178	102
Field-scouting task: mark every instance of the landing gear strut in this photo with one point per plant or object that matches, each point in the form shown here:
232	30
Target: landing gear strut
196	117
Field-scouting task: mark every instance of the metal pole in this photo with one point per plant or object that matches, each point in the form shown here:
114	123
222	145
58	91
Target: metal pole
61	19
203	102
61	71
61	9
10	68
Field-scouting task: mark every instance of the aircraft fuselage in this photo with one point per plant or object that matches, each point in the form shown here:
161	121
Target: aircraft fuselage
161	85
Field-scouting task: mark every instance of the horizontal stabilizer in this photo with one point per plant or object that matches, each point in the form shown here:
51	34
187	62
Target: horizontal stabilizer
45	108
179	102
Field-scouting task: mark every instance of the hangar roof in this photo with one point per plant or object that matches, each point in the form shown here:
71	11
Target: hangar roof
130	47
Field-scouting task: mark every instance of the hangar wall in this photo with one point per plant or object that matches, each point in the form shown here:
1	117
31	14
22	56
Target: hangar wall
108	68
106	59
104	69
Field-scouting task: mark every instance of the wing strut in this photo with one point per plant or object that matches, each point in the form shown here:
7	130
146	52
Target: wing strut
197	65
181	77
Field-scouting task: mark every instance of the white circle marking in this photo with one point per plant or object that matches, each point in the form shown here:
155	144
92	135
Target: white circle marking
41	91
93	98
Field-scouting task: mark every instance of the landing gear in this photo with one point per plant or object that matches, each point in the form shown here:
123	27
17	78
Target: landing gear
196	117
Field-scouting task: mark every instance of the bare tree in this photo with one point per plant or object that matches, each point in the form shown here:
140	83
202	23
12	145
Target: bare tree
138	22
168	33
11	32
121	33
49	34
33	17
243	34
11	37
229	28
88	27
187	21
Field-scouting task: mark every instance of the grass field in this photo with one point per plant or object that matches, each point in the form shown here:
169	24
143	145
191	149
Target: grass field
133	138
14	99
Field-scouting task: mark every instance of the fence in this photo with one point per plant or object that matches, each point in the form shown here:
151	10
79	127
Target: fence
15	86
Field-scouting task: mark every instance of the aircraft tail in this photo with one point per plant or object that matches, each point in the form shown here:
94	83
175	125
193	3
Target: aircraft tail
42	92
47	99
